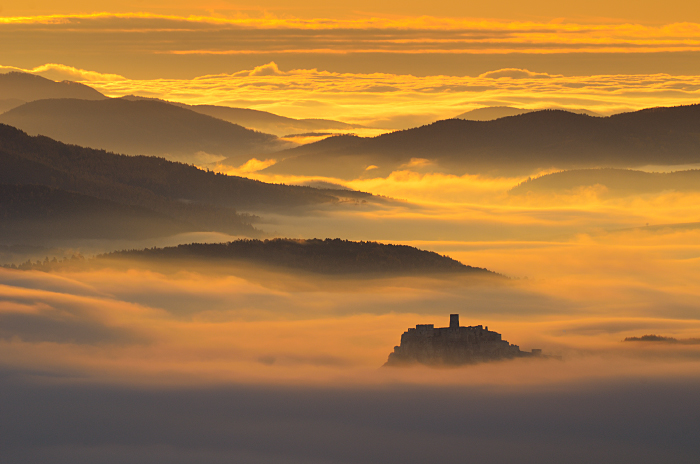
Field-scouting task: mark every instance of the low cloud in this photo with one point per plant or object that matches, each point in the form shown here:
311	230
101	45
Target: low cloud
269	69
60	328
413	100
514	73
59	72
60	422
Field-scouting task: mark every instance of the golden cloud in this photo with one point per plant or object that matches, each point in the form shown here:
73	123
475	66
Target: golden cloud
367	35
411	100
56	71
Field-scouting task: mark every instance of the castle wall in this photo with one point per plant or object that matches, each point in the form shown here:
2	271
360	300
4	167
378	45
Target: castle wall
451	345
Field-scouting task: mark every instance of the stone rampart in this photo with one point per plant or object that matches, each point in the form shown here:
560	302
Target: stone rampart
453	345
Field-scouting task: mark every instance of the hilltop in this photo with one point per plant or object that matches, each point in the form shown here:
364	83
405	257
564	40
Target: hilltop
329	256
490	113
22	87
513	145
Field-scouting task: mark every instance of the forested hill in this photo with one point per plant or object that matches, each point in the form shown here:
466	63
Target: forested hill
182	192
35	213
512	145
329	256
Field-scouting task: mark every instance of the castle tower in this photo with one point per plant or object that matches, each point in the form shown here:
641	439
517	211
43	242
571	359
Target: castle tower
454	321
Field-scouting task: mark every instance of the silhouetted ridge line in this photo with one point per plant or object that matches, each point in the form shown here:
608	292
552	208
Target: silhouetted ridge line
517	144
329	256
142	127
260	120
662	339
29	87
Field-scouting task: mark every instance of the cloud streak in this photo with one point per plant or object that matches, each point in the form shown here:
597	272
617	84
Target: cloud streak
352	96
62	72
216	35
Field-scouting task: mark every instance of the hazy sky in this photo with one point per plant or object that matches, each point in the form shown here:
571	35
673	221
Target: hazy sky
428	61
643	11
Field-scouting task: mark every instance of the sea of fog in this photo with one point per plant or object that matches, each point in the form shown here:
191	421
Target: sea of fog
146	363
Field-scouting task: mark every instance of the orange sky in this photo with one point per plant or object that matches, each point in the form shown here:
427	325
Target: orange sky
334	66
644	11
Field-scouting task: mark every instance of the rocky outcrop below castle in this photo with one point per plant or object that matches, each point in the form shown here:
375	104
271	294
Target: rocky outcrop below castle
453	345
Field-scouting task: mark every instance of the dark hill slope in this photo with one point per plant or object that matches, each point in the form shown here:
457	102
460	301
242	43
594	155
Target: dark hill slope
330	256
517	144
618	182
28	87
139	128
35	212
180	191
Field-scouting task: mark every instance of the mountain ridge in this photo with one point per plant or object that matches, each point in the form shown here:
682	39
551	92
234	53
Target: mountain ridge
29	87
522	144
259	120
139	128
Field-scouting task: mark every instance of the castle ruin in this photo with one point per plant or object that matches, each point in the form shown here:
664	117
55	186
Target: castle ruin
453	345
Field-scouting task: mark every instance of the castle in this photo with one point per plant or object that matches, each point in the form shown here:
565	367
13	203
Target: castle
453	345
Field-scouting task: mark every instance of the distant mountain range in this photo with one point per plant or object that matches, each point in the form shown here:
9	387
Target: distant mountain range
17	88
490	113
513	145
178	196
262	121
141	128
616	182
133	125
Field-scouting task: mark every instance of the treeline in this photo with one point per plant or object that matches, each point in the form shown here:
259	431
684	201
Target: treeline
47	264
662	339
329	256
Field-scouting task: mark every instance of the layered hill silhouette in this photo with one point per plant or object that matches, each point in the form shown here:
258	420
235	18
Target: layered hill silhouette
185	194
512	145
616	182
329	256
490	113
18	87
262	121
143	127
